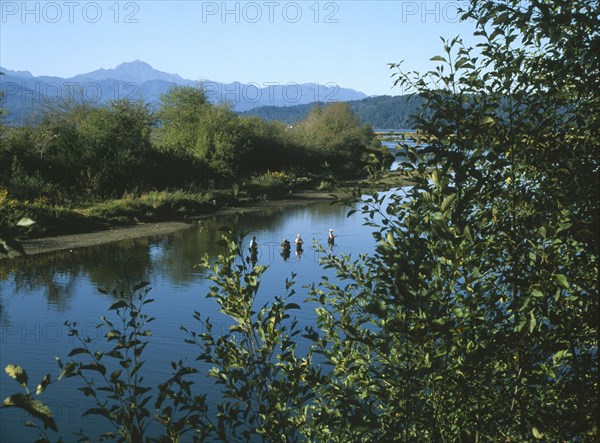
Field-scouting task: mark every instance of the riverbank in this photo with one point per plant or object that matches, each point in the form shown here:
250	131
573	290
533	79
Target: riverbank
159	214
49	244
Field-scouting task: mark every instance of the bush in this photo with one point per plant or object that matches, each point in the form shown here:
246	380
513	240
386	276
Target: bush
269	185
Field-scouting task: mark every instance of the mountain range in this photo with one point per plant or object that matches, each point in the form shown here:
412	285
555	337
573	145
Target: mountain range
26	95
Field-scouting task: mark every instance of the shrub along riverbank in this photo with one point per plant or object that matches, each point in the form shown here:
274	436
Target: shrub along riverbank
85	167
154	206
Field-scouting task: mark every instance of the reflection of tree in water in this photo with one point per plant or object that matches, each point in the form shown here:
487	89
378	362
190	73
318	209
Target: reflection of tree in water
120	265
273	218
182	250
3	278
54	274
277	219
4	319
114	266
179	252
124	264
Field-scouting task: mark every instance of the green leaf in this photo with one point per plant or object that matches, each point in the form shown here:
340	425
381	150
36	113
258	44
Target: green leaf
435	178
94	367
140	285
532	322
467	233
118	305
562	279
34	407
43	384
87	391
114	376
77	351
560	355
18	373
437	58
25	222
536	433
460	62
96	411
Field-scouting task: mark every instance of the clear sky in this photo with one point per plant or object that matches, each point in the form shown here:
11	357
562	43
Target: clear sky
348	43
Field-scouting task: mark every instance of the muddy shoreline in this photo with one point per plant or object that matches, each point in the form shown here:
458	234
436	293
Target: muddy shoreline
46	245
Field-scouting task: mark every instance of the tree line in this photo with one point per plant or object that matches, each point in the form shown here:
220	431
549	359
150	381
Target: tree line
383	112
82	151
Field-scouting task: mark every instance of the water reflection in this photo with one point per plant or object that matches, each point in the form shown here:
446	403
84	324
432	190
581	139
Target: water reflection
106	266
393	144
39	293
123	264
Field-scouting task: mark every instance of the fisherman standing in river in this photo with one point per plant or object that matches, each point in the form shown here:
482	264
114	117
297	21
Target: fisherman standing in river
299	243
253	250
285	248
299	248
331	240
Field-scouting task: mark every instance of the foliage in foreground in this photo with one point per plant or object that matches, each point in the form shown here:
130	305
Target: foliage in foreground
266	387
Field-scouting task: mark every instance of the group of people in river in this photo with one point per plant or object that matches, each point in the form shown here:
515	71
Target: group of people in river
286	246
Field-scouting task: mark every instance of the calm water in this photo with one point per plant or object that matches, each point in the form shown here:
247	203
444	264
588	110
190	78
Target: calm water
38	295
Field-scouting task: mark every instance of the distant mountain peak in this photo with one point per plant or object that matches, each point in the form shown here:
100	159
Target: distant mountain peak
135	63
138	79
136	71
25	74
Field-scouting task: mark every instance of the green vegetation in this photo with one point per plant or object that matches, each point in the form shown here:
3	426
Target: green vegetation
380	112
476	319
107	162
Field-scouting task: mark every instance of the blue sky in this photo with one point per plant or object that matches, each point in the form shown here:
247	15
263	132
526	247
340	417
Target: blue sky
348	43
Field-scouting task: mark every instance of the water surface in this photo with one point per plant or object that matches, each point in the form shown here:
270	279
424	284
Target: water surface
38	295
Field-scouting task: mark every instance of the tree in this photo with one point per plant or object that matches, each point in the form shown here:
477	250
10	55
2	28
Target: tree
333	134
477	317
180	113
212	134
114	142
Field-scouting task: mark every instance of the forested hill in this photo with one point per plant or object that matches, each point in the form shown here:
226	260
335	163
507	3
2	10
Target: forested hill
381	112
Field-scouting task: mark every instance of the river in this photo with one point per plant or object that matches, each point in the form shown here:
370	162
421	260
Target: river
39	294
